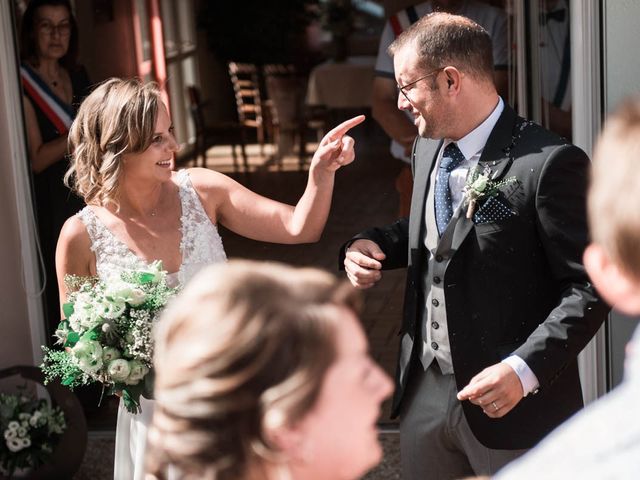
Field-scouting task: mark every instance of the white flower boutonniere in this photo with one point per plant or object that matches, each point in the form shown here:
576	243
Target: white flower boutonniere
479	186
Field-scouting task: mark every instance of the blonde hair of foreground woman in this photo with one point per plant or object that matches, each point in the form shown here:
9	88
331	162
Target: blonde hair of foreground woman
262	372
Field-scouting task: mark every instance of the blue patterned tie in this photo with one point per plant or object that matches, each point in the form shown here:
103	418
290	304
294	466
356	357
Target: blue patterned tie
451	158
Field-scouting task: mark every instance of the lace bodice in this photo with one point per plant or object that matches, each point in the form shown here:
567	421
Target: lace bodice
200	244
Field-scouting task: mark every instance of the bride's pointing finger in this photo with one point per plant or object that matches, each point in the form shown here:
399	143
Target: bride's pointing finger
338	132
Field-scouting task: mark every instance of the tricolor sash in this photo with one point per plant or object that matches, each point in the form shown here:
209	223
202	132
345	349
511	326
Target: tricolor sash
59	113
403	19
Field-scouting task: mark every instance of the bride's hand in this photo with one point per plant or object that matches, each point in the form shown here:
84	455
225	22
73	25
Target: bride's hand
336	148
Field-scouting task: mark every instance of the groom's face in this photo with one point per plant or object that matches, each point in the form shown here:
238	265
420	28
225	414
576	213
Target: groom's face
421	94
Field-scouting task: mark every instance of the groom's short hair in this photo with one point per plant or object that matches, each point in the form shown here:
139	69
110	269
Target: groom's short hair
443	39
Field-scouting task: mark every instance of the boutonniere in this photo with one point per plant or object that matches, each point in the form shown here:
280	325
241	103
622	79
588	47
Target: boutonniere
480	186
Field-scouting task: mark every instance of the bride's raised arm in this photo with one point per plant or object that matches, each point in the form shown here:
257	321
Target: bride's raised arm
257	217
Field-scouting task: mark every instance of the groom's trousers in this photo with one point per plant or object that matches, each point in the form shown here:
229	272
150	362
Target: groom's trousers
436	442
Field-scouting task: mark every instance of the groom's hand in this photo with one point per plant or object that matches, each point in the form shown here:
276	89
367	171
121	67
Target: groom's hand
362	263
496	389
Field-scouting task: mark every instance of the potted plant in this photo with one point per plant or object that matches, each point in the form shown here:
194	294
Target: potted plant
41	439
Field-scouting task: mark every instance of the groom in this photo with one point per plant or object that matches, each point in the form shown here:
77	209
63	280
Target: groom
497	302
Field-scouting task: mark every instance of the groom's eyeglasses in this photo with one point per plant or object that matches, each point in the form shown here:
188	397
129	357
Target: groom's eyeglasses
402	89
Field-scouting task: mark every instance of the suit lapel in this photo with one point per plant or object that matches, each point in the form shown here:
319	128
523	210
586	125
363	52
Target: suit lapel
495	156
425	156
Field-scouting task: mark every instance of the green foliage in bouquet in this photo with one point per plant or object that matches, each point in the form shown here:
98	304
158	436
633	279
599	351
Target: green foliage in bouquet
107	333
31	429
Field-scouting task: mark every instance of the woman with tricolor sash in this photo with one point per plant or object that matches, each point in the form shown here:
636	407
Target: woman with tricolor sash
53	86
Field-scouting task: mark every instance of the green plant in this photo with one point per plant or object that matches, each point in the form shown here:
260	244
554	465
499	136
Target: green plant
31	429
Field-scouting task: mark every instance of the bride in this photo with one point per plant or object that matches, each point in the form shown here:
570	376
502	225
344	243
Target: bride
140	210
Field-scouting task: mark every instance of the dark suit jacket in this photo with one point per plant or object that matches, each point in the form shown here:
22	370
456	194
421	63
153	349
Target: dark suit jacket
515	286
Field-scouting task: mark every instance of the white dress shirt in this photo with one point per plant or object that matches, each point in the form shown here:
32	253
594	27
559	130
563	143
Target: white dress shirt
471	146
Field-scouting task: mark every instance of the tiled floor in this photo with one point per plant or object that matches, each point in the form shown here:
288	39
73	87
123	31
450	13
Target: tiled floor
364	196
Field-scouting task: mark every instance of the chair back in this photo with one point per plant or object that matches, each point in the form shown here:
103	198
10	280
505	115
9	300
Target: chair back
246	85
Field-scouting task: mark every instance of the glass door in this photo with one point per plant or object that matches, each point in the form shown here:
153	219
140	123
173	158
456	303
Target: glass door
555	41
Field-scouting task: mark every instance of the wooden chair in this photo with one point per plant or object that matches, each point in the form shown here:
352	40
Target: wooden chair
209	134
249	103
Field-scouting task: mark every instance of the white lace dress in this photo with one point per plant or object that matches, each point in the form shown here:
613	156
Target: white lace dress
201	245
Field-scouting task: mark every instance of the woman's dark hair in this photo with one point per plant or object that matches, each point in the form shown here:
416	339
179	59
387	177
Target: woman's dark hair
28	42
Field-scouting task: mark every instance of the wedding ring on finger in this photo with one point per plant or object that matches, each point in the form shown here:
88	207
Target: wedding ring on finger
495	407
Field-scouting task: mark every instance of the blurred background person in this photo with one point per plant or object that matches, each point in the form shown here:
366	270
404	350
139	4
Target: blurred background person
53	86
555	60
397	124
263	372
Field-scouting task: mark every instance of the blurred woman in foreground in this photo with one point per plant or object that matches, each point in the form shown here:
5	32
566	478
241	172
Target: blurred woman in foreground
263	373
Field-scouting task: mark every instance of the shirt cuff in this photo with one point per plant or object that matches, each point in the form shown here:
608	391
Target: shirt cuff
527	378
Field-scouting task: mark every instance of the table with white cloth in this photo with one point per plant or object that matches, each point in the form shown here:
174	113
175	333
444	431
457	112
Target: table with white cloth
342	85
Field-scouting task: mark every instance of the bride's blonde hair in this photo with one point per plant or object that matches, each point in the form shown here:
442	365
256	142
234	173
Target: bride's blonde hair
243	350
117	118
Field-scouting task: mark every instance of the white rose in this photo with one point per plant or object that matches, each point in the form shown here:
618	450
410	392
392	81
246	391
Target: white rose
13	425
113	308
480	183
26	442
119	370
88	354
118	290
110	353
24	416
22	431
138	371
84	317
9	434
35	418
138	297
15	444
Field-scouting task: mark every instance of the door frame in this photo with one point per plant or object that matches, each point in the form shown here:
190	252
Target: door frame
16	151
587	117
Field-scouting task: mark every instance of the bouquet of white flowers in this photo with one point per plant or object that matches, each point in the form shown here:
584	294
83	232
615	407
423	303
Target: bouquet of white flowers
31	429
107	334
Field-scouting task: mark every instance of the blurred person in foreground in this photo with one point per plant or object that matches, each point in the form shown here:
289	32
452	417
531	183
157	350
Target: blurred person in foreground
263	373
603	441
